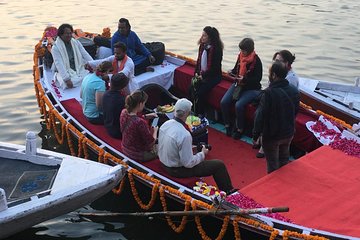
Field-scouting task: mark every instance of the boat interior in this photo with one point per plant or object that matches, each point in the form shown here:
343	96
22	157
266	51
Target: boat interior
320	187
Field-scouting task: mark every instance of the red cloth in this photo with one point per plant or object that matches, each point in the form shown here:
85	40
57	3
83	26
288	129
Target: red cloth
73	107
304	139
182	78
321	189
217	93
182	81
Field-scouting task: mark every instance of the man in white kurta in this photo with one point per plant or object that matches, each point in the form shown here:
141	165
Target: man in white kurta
70	58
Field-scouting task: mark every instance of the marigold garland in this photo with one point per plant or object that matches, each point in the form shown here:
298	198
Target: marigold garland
70	143
80	145
108	156
339	121
85	150
46	114
200	228
182	225
287	234
274	234
136	195
120	188
303	105
236	228
54	114
36	74
39	49
106	32
101	154
176	192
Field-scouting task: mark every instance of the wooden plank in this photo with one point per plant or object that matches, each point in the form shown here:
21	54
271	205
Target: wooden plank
338	87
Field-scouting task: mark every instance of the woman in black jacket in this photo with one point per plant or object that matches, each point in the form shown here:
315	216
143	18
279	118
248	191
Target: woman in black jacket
208	67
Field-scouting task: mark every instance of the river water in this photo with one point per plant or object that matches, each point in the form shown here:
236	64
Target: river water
324	35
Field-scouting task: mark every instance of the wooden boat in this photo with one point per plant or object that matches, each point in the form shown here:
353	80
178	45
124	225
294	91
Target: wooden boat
340	100
37	185
62	112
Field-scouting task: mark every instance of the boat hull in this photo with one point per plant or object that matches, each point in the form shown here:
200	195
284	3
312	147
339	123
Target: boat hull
54	202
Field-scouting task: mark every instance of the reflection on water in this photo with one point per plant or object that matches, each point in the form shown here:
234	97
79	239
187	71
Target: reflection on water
324	36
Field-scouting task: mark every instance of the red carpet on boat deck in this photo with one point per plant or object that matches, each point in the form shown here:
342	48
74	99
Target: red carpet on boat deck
322	190
239	157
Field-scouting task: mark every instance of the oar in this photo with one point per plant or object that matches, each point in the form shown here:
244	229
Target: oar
191	213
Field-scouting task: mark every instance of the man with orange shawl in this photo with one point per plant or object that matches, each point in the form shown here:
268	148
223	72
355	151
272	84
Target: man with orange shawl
121	63
247	75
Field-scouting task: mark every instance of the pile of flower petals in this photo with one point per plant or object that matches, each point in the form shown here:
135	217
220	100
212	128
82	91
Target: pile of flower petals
245	202
324	131
348	146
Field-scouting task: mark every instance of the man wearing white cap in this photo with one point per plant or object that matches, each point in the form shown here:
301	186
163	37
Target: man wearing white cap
176	154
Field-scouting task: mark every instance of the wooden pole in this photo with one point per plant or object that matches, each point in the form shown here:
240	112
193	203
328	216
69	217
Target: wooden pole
191	213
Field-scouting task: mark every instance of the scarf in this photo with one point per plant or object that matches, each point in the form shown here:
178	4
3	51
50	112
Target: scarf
116	66
77	55
244	61
204	59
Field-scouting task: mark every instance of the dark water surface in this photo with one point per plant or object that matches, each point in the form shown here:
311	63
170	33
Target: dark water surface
324	35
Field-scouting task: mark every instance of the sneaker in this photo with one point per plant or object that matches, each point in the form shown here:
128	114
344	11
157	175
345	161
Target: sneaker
236	135
260	155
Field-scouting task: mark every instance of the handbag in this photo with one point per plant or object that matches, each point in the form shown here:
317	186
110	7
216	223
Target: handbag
236	92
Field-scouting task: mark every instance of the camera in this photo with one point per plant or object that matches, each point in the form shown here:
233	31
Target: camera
201	144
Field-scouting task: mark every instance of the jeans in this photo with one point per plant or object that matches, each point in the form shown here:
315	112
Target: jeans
246	97
277	152
205	168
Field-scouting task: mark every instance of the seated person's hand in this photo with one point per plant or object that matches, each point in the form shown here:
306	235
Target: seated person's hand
239	79
151	115
231	74
204	150
88	67
69	83
155	130
151	59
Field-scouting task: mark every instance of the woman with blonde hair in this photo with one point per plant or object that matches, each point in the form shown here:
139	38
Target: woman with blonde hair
138	141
